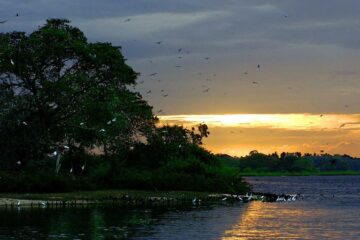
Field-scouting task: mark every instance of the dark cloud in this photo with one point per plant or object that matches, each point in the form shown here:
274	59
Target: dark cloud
301	45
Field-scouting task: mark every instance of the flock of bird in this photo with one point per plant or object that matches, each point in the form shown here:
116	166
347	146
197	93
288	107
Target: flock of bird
254	197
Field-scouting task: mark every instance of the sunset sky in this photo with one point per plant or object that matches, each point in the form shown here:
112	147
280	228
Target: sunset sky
267	75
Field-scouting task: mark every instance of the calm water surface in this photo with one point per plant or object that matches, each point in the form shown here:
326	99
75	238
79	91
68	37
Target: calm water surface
329	209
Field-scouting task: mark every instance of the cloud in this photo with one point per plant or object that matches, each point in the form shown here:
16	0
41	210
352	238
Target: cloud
142	25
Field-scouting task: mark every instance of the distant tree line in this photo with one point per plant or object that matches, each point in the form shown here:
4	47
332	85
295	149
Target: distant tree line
291	162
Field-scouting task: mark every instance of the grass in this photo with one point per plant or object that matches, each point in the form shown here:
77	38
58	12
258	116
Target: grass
105	195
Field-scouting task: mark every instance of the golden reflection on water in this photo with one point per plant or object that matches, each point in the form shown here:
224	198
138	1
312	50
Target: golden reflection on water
276	221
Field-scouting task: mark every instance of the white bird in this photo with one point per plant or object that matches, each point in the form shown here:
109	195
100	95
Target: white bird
194	201
224	199
12	62
280	199
18	162
83	167
55	153
24	123
82	124
71	170
102	130
43	204
109	122
249	197
18	203
114	119
66	147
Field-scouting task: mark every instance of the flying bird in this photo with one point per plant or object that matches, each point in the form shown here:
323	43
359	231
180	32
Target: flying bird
255	82
159	42
17	14
152	74
148	92
165	95
207	58
206	90
258	66
178	66
3	21
179	50
127	20
246	73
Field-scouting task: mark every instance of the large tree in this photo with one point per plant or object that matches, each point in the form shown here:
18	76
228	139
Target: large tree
59	91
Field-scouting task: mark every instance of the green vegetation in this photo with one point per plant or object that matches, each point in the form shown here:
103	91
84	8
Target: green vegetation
292	164
68	122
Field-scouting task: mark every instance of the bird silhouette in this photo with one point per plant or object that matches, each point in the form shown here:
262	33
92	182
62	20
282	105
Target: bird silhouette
152	74
159	42
179	50
246	73
255	82
127	20
207	58
258	66
178	66
165	95
206	90
3	21
17	14
148	92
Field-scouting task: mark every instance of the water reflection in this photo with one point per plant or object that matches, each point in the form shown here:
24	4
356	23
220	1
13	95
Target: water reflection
318	216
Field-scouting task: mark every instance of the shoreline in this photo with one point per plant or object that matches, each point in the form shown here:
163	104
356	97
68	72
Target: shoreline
298	174
124	198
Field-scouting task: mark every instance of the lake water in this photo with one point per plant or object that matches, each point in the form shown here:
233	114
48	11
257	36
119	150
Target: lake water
329	209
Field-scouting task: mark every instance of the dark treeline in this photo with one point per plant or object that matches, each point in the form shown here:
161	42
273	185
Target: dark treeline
292	162
69	121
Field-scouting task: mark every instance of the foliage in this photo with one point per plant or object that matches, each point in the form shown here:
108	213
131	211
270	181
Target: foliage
58	90
65	104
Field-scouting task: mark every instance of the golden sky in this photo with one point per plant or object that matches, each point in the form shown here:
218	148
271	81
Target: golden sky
238	134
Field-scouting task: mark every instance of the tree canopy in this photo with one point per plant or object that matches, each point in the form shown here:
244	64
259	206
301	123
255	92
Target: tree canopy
60	92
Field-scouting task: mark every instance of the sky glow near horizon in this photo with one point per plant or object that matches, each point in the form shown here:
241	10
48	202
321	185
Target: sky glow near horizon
238	134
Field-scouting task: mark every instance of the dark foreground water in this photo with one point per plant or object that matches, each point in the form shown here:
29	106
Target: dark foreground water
330	209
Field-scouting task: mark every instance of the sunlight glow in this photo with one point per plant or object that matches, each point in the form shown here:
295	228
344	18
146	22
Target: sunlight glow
285	121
